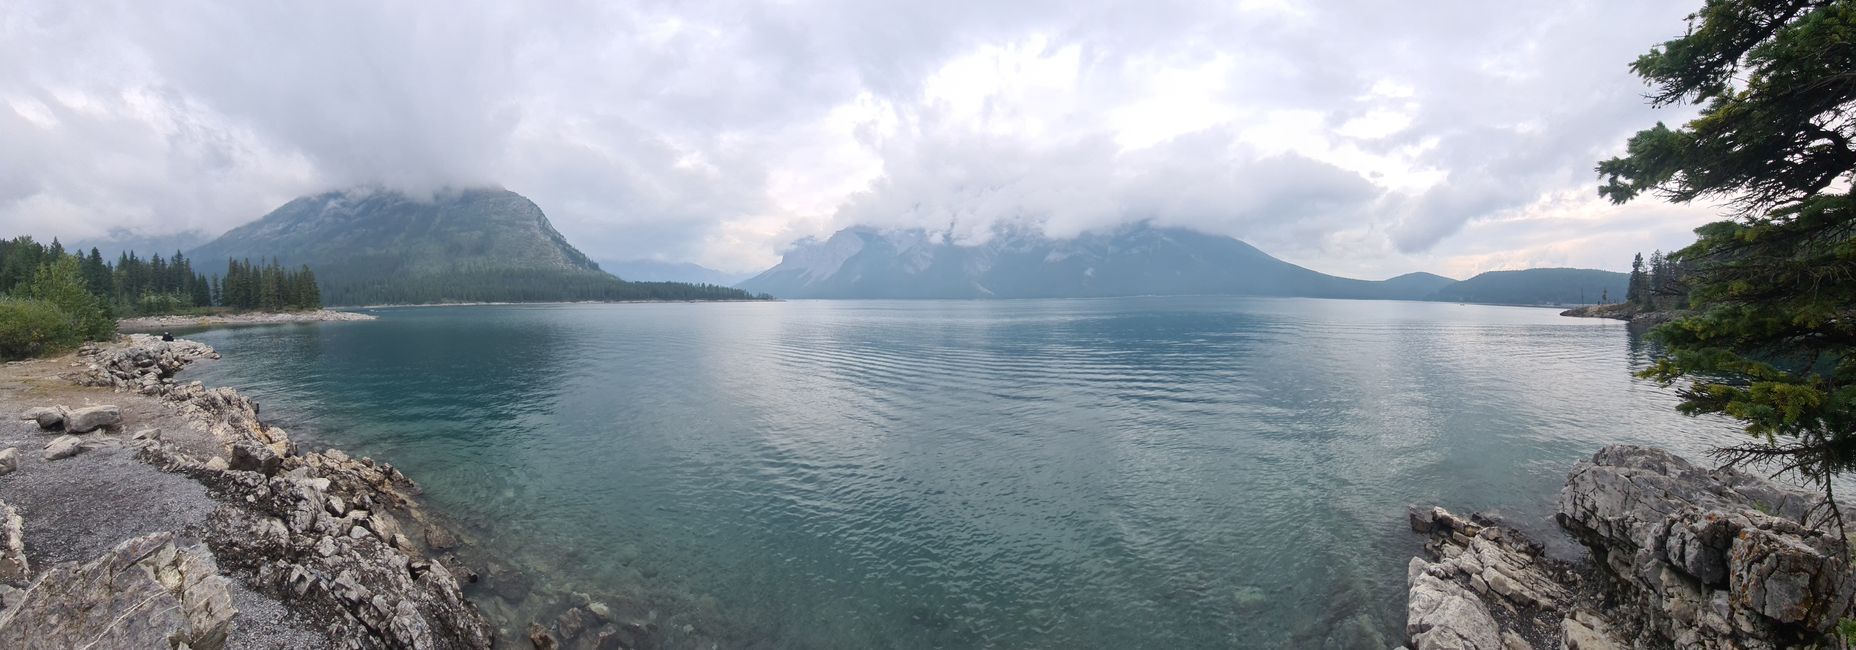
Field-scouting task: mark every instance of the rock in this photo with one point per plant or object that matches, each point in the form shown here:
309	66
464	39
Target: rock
144	593
1441	615
91	418
9	460
541	638
47	417
63	447
1681	556
1709	557
14	569
250	456
1479	568
147	434
217	464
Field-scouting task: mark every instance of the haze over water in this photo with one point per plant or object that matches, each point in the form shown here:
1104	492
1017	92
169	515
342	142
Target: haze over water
1113	473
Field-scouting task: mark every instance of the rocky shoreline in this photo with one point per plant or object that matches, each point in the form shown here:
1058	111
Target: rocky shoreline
1681	556
160	323
327	537
279	547
1635	315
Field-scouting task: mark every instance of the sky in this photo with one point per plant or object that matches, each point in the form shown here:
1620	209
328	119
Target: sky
1364	138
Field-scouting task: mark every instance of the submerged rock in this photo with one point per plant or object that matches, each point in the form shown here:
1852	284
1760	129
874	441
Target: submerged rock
1683	556
144	593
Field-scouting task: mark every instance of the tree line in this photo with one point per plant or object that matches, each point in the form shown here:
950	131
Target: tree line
1661	285
52	299
350	285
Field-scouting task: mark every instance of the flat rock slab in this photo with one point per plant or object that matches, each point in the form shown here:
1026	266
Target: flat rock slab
144	593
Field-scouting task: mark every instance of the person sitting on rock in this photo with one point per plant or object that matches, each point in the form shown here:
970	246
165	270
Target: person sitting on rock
167	337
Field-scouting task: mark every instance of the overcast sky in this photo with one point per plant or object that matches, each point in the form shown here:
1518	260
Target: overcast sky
1364	138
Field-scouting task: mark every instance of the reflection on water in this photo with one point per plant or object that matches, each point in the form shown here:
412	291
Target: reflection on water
1153	472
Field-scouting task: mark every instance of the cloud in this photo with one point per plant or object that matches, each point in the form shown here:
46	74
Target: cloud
1353	136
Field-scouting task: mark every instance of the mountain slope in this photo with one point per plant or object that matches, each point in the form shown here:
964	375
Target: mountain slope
656	271
475	245
1538	287
1134	260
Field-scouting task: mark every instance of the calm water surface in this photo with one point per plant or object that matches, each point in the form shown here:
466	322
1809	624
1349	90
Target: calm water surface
1121	473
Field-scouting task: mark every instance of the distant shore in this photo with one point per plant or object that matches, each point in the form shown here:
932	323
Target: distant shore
156	323
1628	312
553	302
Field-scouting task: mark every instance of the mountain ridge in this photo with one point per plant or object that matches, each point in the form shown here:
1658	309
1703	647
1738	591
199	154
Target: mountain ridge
1135	259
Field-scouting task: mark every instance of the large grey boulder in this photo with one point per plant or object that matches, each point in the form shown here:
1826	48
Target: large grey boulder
91	418
47	417
144	593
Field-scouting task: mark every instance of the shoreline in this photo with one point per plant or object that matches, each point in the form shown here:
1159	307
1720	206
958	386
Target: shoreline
312	548
547	302
316	548
158	323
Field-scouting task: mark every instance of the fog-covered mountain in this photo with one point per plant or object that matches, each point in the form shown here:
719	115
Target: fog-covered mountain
124	240
372	246
656	271
1134	260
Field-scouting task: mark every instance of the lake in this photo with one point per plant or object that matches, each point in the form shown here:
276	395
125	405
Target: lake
1108	473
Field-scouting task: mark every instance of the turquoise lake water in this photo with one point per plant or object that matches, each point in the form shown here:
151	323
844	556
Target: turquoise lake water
1112	473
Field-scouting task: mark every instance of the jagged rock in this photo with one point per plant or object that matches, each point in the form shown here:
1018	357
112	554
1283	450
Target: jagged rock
14	569
47	417
91	418
1709	557
249	456
1479	568
147	434
63	447
9	460
1685	557
144	593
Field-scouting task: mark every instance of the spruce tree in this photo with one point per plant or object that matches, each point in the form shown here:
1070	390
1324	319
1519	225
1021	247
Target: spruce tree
1772	342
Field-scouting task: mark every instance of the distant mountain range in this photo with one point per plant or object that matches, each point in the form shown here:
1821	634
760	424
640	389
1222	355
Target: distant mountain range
124	240
373	246
1133	260
656	271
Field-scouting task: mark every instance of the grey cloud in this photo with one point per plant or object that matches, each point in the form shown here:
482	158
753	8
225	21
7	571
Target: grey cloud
665	129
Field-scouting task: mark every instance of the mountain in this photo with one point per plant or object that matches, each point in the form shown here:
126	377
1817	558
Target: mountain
655	271
376	246
1135	260
123	240
1538	287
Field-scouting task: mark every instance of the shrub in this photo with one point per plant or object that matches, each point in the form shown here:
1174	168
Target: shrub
29	328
